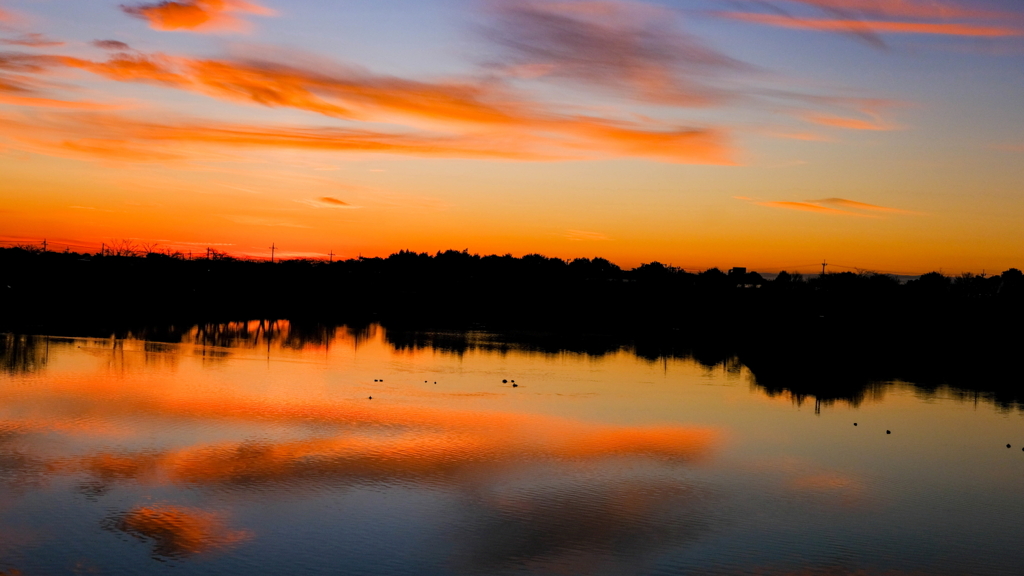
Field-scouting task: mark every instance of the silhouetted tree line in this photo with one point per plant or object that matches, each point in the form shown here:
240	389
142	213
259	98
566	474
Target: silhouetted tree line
456	289
843	329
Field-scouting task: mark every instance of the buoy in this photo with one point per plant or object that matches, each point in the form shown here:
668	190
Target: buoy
888	431
854	423
1008	446
504	381
371	397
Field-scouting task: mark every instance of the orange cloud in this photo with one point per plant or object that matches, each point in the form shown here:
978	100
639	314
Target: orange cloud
874	26
333	201
32	41
481	119
120	138
52	103
816	206
807	207
343	93
197	15
177	531
859	205
931	9
874	121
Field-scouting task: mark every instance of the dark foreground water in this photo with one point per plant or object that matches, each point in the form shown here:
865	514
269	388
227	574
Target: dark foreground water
264	454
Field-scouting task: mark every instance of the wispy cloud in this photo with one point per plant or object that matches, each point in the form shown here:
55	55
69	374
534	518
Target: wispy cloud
18	70
830	206
584	236
510	119
197	15
21	83
844	203
32	40
111	45
805	136
866	27
332	201
872	121
34	102
630	48
113	137
871	19
902	8
8	17
808	207
327	202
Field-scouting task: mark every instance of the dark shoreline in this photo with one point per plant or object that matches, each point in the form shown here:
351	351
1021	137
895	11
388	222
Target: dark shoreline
828	337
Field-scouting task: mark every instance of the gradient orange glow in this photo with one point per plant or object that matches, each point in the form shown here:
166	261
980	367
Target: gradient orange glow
570	128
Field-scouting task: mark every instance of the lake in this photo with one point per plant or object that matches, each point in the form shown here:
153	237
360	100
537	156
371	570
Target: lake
259	448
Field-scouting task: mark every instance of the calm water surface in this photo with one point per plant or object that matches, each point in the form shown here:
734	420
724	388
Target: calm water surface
264	454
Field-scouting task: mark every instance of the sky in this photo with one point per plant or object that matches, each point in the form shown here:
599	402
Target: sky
881	135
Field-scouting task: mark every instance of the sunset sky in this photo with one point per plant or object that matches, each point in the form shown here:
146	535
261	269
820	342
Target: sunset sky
885	135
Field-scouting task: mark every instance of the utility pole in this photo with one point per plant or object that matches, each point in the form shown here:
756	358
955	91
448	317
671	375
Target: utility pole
824	263
332	256
273	248
44	244
207	252
103	248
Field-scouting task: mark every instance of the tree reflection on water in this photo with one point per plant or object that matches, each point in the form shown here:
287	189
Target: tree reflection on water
832	372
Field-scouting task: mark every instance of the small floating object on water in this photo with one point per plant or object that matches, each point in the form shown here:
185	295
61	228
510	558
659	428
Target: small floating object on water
888	431
515	385
371	397
854	423
1008	446
504	381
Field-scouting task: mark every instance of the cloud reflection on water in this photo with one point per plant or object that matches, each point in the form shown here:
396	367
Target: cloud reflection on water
176	531
559	494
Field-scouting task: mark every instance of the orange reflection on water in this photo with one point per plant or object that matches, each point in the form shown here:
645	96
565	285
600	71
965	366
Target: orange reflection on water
406	444
295	429
177	531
